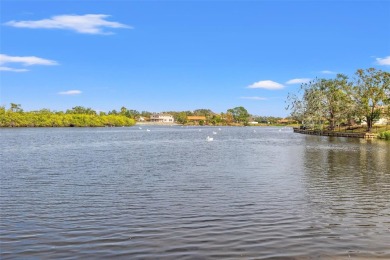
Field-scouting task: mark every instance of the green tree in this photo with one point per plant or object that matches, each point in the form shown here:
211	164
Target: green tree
240	114
181	117
112	112
132	113
81	110
331	99
146	114
123	111
16	108
322	100
371	91
216	119
203	112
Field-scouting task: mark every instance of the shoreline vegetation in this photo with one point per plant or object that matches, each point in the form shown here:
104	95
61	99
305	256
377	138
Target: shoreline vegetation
331	106
15	117
325	104
79	116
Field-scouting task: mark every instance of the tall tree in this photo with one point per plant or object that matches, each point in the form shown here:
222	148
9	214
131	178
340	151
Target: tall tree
306	108
370	92
16	107
240	114
322	100
123	111
335	99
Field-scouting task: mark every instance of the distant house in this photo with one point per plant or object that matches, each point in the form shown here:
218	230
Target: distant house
252	121
380	121
286	121
162	118
196	118
383	120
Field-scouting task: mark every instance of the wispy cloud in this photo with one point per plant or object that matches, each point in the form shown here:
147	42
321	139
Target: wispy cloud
24	61
254	98
298	81
328	72
266	84
12	69
383	61
70	92
87	24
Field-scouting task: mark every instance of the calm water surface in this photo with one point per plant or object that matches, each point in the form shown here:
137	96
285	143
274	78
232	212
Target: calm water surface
170	194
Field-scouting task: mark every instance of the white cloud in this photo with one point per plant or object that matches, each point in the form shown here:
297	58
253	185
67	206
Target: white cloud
298	81
70	92
24	61
327	72
88	23
254	98
383	61
266	84
12	69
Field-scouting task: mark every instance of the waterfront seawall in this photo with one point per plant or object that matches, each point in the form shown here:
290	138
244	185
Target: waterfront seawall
336	134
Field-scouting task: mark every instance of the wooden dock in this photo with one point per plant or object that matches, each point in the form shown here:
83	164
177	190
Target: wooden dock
336	134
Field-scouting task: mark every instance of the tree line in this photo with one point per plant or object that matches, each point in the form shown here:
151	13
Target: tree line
335	101
75	117
233	116
80	116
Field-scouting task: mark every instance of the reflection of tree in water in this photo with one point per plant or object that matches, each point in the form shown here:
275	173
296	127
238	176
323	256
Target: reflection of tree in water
348	188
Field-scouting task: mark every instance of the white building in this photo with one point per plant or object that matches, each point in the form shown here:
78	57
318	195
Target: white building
381	121
162	118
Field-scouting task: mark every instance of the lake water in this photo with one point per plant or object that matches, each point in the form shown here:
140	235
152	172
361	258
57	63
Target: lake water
167	193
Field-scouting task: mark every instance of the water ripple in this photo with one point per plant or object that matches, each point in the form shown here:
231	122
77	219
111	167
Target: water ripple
169	194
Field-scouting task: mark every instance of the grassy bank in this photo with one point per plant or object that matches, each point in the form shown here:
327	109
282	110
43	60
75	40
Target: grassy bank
384	135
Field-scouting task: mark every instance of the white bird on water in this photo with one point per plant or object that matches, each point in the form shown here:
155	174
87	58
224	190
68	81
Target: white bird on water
209	139
214	133
147	130
140	128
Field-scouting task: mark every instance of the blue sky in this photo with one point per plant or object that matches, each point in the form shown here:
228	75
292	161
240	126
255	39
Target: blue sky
182	55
